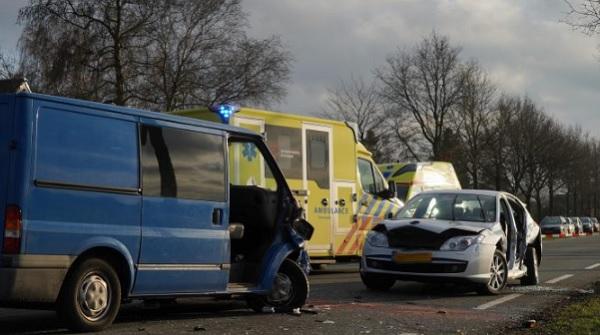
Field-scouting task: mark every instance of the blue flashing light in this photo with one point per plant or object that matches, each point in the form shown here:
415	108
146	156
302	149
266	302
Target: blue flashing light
225	111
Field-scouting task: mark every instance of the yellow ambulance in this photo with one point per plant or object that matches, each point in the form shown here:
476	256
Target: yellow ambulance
413	178
331	173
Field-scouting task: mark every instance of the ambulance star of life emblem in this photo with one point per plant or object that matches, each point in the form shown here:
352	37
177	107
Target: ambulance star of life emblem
249	151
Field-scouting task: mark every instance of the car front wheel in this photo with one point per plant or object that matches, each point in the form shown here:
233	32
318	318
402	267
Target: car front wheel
498	275
289	291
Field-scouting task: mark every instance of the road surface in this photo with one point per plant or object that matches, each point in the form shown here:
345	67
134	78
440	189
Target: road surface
341	305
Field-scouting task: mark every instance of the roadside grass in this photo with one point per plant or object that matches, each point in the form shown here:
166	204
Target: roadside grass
582	317
579	316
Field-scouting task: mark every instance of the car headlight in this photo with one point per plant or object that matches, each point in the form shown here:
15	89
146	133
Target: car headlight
377	239
460	243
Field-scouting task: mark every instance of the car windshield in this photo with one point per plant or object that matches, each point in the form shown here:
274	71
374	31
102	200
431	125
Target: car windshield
449	206
551	220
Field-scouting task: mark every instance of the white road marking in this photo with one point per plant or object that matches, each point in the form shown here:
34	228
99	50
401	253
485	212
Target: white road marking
593	266
498	301
557	279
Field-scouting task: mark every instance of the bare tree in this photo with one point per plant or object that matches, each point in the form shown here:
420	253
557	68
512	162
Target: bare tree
198	54
424	84
101	34
584	16
8	65
473	119
164	54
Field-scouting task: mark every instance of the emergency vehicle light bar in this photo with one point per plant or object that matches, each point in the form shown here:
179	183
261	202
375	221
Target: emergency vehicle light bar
225	111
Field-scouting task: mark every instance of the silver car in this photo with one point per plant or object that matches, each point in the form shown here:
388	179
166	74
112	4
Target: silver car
481	237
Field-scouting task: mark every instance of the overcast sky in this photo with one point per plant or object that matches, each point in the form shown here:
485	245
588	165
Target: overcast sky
521	43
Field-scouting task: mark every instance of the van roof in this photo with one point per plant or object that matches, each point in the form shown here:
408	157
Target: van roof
137	112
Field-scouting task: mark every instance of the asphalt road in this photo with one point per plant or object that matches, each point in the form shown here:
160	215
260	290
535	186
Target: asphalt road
340	304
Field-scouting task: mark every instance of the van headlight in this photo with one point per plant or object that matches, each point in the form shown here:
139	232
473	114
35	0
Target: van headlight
460	243
377	239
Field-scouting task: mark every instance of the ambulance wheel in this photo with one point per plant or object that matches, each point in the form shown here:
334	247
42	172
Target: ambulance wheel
290	290
90	297
377	282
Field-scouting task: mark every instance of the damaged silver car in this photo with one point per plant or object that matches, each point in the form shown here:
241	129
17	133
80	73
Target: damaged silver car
485	238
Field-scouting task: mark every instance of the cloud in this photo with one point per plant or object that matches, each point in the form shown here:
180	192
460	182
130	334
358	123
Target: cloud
522	44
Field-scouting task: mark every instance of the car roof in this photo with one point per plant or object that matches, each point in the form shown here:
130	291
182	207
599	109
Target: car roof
468	191
139	112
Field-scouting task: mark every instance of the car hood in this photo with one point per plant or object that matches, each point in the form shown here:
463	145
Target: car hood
437	226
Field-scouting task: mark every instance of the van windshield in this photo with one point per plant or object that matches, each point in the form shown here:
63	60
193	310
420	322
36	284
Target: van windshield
452	207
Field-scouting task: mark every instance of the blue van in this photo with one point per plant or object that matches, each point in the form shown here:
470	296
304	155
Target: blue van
104	204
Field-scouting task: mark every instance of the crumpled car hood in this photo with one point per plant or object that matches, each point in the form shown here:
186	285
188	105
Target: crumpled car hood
437	226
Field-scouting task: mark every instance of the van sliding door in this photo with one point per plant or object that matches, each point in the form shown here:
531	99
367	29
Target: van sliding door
185	241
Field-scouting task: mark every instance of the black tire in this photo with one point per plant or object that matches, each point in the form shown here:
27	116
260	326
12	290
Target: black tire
531	262
100	282
498	275
377	282
290	290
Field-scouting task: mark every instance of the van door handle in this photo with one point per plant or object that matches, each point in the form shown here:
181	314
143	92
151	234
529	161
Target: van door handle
217	216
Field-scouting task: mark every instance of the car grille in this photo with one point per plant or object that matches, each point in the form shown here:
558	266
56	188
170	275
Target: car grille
411	237
447	267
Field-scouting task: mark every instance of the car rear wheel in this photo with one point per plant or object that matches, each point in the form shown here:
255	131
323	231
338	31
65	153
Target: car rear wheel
531	262
290	290
90	297
498	275
377	282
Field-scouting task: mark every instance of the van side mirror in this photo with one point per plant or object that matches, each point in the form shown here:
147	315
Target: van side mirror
392	188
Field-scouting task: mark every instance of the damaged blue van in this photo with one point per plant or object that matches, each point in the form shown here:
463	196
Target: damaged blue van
105	204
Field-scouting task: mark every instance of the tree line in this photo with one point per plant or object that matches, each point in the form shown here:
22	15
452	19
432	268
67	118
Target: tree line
158	54
428	104
424	103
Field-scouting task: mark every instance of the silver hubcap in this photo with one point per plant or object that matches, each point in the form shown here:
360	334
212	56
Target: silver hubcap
94	297
498	273
283	290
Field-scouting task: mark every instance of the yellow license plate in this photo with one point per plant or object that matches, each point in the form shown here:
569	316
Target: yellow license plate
413	257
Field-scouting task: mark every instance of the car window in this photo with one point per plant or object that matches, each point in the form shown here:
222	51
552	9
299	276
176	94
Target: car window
401	191
445	206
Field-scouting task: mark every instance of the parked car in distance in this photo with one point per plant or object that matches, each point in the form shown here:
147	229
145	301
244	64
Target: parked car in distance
587	224
577	223
570	226
554	225
106	204
596	224
482	237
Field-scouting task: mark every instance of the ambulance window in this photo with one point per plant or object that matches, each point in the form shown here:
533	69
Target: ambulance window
401	191
318	157
247	166
286	145
367	180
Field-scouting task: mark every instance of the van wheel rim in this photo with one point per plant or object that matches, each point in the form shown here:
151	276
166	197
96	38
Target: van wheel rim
283	289
94	297
498	273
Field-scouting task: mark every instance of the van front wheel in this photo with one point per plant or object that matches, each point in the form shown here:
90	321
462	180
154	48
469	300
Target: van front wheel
290	290
90	297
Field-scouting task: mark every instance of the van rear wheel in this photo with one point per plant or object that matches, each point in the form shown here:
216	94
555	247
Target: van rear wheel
290	290
90	297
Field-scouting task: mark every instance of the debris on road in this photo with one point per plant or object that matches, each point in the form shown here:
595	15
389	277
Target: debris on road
530	323
199	329
326	321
